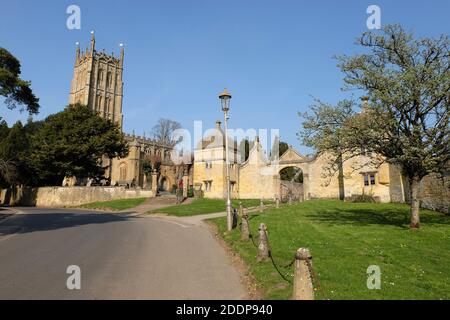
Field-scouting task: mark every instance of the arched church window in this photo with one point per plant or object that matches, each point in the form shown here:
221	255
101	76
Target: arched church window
108	79
123	171
100	76
106	104
110	105
78	81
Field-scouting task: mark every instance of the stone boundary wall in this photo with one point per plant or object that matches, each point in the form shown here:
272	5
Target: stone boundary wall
435	193
67	196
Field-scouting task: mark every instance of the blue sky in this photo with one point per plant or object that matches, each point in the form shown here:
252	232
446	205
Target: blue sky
273	56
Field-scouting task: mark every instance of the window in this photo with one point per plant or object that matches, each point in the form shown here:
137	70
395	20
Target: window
109	105
100	76
123	172
108	79
369	179
106	104
208	165
208	185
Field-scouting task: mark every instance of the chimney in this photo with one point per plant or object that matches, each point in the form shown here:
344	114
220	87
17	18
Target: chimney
218	123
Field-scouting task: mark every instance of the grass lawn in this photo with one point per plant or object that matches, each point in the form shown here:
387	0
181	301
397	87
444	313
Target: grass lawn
203	206
115	205
344	239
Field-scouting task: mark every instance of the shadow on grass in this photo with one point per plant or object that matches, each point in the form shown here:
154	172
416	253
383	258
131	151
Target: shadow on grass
366	217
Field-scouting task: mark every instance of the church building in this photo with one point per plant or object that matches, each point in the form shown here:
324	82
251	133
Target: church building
97	82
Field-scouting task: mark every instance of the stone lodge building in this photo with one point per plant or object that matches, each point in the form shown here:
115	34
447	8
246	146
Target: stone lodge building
258	177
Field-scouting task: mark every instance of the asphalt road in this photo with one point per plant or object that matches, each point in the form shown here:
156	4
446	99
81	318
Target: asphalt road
120	257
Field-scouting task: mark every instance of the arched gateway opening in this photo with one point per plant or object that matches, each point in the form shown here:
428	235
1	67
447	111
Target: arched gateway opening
291	184
163	184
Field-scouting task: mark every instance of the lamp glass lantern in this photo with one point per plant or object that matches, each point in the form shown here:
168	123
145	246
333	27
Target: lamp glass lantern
225	98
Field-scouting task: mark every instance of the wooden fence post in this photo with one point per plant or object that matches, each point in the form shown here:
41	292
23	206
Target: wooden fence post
303	286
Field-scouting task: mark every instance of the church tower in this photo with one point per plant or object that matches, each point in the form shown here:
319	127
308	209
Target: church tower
97	82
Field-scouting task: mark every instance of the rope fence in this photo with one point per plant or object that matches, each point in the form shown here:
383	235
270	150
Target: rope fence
305	277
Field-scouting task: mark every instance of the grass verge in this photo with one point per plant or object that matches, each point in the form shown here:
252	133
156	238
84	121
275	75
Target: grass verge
115	205
344	240
204	206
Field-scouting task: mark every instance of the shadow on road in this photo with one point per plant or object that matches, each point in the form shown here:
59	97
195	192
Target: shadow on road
25	223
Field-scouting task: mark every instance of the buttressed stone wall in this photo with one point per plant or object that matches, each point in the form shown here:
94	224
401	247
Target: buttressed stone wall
68	196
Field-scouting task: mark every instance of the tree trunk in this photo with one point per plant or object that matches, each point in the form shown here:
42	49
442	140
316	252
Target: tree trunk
415	203
341	178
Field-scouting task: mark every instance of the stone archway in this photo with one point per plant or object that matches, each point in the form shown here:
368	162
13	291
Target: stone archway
291	158
291	183
163	184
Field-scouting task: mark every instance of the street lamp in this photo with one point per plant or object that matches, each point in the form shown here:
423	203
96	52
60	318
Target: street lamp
225	98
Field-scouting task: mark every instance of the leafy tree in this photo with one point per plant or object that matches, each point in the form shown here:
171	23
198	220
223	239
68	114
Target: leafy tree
147	166
278	148
283	147
292	174
406	118
14	152
323	128
4	130
72	143
12	87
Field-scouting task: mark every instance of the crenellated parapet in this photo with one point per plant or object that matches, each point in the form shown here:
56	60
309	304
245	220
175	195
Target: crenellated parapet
150	147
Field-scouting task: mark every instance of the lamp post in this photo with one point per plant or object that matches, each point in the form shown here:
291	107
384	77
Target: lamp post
225	98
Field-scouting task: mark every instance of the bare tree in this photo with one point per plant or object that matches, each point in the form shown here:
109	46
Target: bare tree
163	130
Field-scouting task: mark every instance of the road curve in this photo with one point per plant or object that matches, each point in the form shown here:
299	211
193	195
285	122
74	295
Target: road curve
120	257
